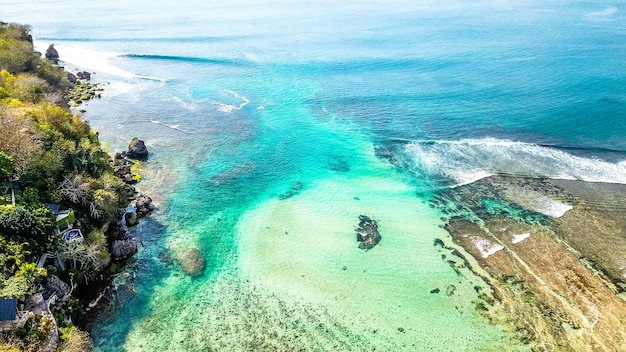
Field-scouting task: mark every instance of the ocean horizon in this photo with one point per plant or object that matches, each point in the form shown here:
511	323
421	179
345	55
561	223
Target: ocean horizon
273	126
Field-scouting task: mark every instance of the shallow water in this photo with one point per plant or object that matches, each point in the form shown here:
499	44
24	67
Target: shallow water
343	109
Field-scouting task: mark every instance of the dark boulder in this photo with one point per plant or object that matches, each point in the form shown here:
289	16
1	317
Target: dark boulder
52	54
71	77
137	149
122	249
131	218
143	206
367	232
84	75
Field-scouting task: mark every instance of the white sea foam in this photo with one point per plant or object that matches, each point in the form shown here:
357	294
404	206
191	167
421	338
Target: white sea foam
227	108
464	161
471	176
519	238
608	11
187	105
551	207
486	247
92	60
98	61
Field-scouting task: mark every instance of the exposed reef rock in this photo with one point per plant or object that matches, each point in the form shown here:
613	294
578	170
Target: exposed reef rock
137	149
191	261
83	90
367	232
552	252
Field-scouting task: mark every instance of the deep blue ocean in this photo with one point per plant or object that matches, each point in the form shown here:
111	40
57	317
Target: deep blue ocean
244	103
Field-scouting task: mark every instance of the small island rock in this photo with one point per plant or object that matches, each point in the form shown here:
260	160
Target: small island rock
192	261
367	232
137	149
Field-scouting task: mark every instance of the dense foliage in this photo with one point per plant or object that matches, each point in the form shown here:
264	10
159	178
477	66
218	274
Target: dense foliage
47	155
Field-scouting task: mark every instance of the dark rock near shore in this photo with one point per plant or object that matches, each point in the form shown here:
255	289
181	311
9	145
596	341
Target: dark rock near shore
71	77
131	218
122	169
367	232
191	261
122	249
143	205
52	54
137	149
84	75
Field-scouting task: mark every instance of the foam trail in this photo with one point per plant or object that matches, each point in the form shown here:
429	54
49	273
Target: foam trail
606	12
461	162
228	107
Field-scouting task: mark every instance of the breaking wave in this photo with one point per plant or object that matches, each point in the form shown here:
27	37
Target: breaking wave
188	59
454	163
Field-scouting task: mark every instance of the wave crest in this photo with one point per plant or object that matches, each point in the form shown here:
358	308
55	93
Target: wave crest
454	163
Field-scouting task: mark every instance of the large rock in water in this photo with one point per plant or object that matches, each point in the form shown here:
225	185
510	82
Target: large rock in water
122	249
191	260
52	54
367	232
137	149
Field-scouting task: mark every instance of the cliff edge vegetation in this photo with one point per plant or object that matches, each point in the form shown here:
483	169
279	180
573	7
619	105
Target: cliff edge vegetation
50	160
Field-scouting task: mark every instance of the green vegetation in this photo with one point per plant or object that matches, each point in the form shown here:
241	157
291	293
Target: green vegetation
47	155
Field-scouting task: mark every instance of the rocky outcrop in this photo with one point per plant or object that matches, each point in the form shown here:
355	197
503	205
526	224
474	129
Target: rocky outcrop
84	75
122	249
58	286
52	54
137	149
130	217
122	169
191	261
71	77
143	206
367	232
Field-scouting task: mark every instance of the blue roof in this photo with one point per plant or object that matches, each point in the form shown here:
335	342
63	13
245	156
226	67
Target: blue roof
54	208
8	309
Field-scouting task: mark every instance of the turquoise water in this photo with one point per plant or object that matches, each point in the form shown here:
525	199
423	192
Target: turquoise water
343	109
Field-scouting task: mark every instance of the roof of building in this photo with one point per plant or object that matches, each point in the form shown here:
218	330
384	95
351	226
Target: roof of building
8	309
54	208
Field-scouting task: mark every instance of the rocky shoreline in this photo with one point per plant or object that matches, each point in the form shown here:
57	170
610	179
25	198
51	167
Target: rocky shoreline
555	264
